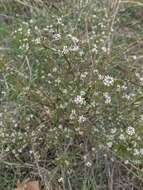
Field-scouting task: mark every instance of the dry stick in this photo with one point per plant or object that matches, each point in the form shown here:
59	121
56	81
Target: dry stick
70	187
134	44
24	3
18	165
110	171
88	40
63	183
120	161
39	170
133	2
4	49
117	5
30	71
53	174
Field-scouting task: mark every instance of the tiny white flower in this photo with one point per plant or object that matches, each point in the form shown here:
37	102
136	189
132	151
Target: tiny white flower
126	161
141	117
60	126
73	114
31	21
73	38
136	152
61	179
37	40
124	87
122	137
107	98
94	49
130	131
1	123
88	164
54	69
79	100
134	57
81	119
113	130
57	36
74	48
19	29
127	96
7	149
141	151
109	144
65	91
82	93
83	75
93	149
81	53
108	81
81	132
104	49
101	77
65	50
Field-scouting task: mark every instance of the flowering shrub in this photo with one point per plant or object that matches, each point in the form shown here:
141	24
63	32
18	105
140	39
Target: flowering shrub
71	88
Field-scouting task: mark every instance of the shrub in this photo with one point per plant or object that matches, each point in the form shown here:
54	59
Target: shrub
71	91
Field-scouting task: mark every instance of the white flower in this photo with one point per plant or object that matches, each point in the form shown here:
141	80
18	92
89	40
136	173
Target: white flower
31	21
130	131
82	93
141	151
136	152
73	38
81	119
113	130
93	149
94	49
83	75
127	96
109	144
104	49
65	91
65	50
60	126
73	114
19	29
54	69
37	40
141	79
81	53
57	36
74	48
30	151
108	81
118	88
126	161
79	100
122	137
124	87
61	179
101	77
81	132
134	57
59	21
107	98
88	164
1	123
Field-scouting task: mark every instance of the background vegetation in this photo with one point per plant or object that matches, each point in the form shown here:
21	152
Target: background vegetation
71	79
